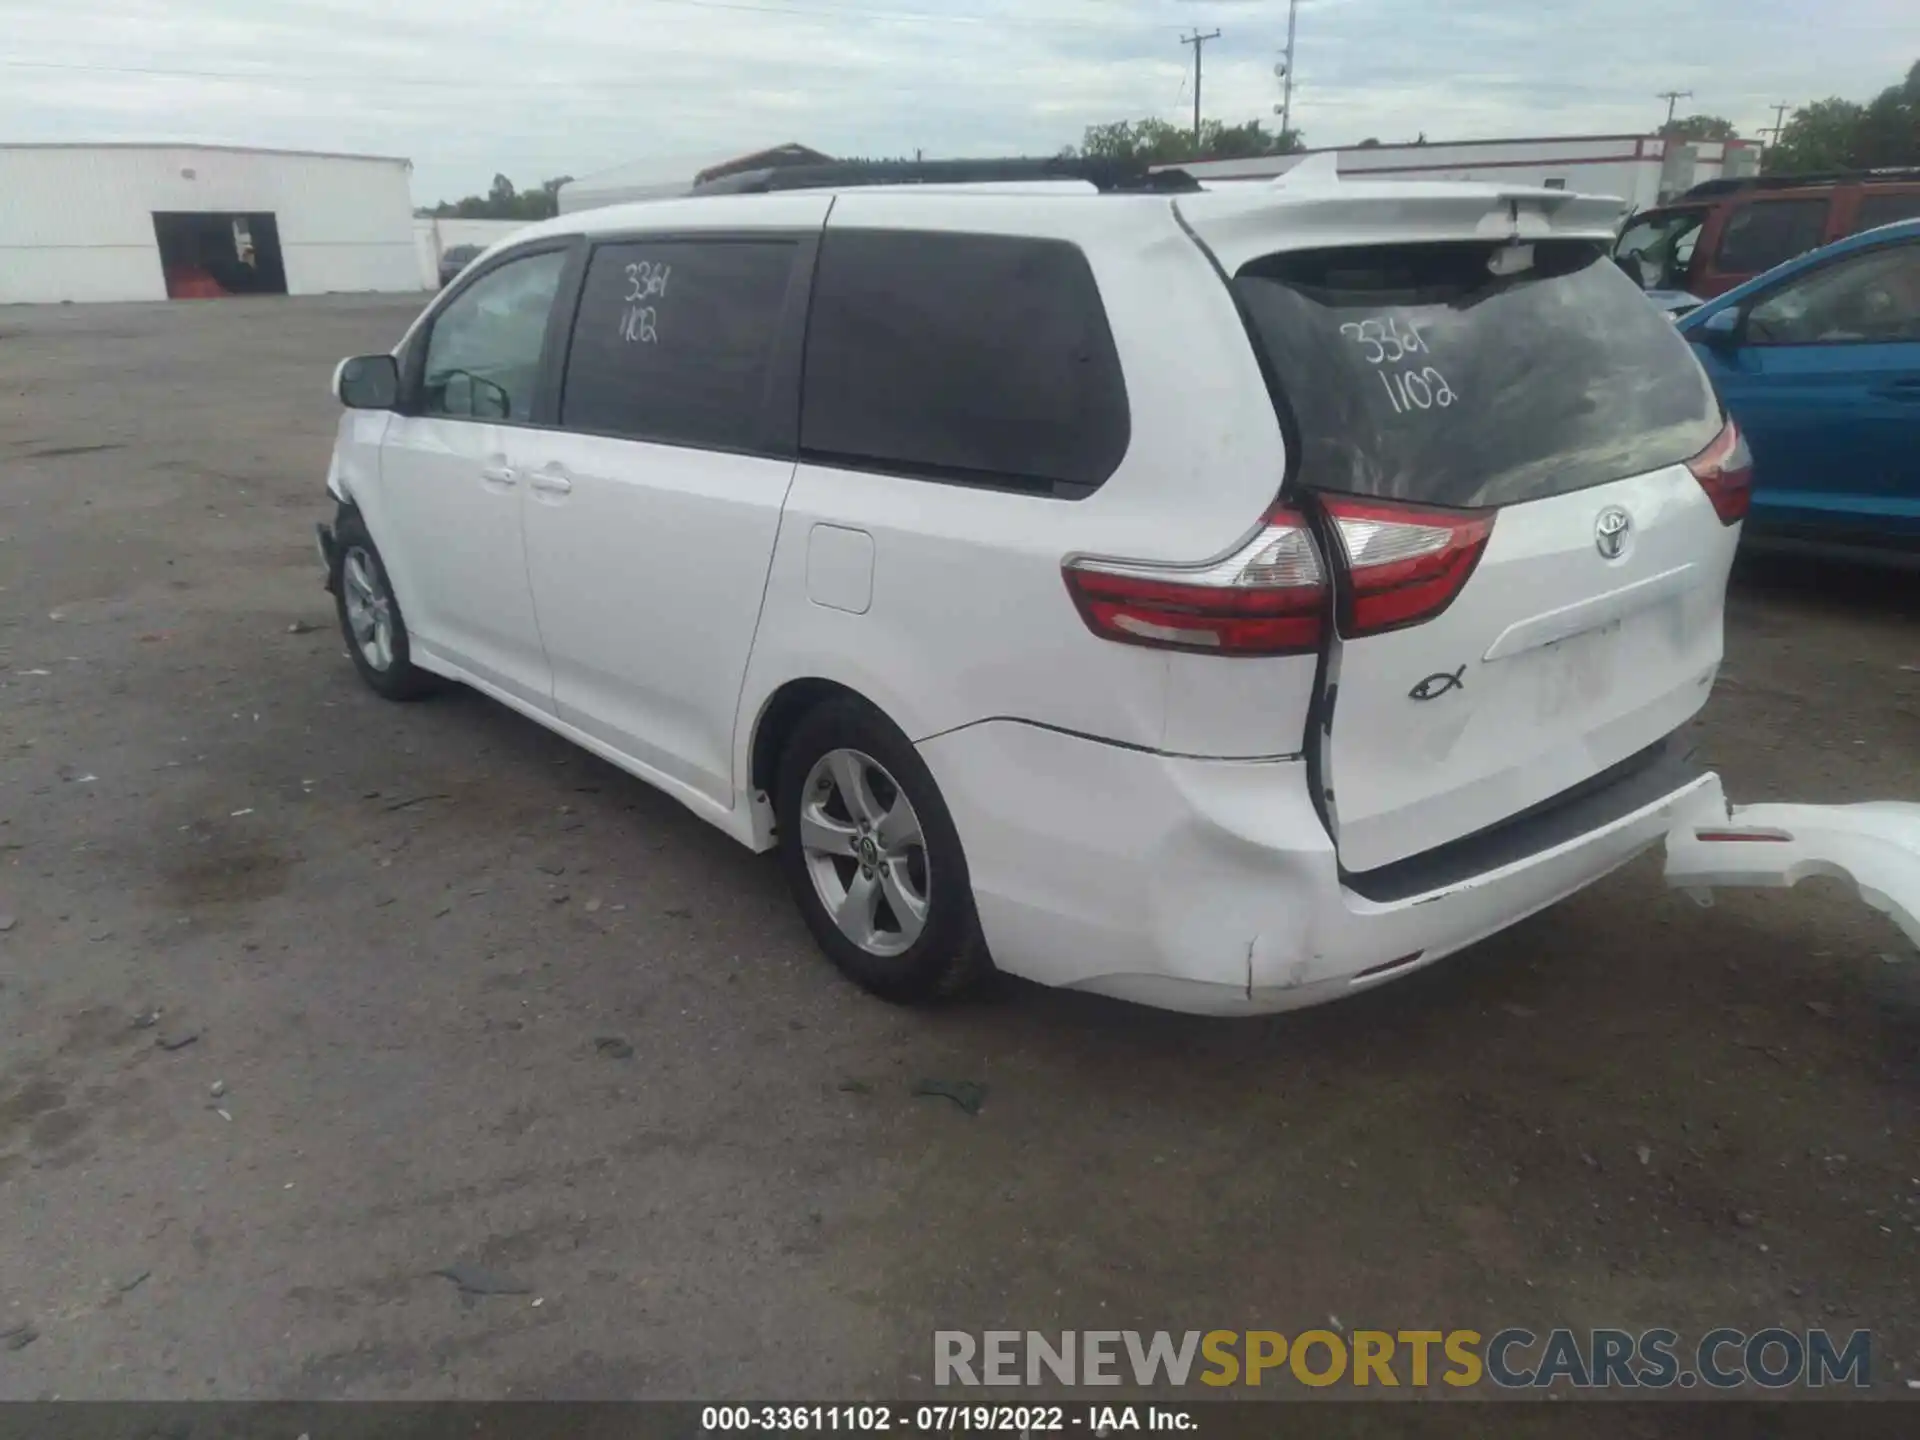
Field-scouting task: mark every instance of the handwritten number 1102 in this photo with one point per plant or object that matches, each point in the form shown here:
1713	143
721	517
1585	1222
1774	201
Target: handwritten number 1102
1420	389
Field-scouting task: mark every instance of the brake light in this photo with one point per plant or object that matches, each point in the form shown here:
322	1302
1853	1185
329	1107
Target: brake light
1725	471
1267	597
1403	564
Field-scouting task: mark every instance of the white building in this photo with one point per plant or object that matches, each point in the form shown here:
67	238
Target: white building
1641	170
145	222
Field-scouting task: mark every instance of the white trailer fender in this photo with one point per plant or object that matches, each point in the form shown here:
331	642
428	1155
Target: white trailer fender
1874	847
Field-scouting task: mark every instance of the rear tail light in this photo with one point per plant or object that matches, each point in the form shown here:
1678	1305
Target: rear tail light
1725	471
1268	597
1403	564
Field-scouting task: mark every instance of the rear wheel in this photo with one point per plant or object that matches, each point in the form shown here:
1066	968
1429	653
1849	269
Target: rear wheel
370	619
873	859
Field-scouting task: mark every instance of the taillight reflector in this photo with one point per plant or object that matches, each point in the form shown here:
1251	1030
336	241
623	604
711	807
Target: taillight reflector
1267	597
1725	471
1402	564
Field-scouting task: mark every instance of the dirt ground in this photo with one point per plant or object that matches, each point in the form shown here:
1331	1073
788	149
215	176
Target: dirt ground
447	991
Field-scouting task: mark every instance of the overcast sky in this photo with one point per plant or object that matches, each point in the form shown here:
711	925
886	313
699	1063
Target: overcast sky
469	87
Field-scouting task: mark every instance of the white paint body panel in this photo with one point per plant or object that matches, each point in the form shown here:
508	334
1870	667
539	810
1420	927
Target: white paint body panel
1208	885
77	223
970	618
1629	168
840	568
647	573
1569	663
448	505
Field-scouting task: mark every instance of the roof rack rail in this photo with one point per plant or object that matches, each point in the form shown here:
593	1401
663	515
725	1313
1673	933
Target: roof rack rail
1107	176
1900	175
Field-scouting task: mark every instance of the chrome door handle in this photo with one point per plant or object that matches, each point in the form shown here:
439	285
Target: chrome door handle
498	474
552	484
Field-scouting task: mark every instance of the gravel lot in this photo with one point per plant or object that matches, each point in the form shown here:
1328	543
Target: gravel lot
469	996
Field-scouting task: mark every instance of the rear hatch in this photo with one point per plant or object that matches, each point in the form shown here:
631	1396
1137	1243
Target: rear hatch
1523	488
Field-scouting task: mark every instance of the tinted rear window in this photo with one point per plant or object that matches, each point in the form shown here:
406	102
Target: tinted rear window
976	358
1414	372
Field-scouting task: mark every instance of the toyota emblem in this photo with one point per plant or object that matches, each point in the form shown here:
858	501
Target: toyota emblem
1610	532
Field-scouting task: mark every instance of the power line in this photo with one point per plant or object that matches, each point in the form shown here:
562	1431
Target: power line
1199	43
1673	97
1780	108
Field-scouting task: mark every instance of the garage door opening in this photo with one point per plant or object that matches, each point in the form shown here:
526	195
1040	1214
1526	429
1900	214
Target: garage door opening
206	254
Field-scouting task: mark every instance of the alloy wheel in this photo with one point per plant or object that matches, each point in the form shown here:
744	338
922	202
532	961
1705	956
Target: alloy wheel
369	608
865	851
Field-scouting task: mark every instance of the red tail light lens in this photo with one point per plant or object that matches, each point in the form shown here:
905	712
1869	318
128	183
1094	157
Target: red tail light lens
1266	598
1403	563
1725	471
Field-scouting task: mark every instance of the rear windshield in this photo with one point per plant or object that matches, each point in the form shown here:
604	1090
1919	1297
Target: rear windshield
1415	372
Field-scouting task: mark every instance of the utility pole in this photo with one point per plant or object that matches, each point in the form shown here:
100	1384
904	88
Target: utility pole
1780	108
1286	74
1199	43
1673	97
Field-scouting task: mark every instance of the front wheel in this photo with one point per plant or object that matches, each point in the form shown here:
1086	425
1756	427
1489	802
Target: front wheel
873	858
370	619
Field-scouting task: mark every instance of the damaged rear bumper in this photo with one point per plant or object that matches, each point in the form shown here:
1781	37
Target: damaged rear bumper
1211	886
1873	847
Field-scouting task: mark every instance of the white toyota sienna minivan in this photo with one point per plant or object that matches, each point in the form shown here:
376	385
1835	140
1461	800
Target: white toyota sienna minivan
1224	599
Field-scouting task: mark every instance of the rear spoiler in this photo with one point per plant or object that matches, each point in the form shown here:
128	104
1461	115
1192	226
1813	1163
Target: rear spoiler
1312	206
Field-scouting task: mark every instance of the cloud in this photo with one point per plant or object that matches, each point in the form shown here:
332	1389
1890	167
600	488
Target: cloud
469	87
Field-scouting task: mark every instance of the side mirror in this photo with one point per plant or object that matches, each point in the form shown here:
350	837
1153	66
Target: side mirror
367	382
1721	330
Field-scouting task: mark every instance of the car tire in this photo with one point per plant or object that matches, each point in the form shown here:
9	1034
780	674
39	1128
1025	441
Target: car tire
885	890
370	621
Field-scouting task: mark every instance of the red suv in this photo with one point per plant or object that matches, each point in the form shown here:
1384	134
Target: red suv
1725	232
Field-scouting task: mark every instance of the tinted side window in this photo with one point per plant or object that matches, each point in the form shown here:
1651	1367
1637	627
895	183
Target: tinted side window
1761	235
1884	208
483	354
676	341
1872	297
966	357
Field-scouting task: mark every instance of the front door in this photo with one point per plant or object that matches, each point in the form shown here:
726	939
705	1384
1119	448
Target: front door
449	521
652	510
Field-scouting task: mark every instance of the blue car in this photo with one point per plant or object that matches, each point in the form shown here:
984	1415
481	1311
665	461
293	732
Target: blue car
1818	361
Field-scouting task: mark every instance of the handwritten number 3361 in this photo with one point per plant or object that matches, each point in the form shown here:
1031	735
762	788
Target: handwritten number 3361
1377	335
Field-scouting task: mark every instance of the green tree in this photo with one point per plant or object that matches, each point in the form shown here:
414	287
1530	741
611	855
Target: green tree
1839	134
503	202
1160	142
1817	137
1889	131
1700	127
1220	141
1137	142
